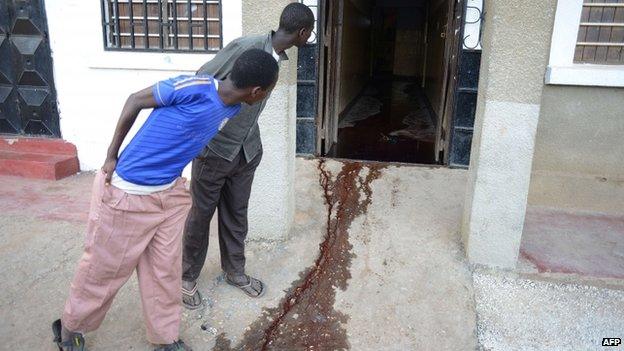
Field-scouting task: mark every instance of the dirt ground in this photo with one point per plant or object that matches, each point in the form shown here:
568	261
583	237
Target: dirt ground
373	262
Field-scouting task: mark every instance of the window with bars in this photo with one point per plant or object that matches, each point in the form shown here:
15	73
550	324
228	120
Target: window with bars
162	25
601	33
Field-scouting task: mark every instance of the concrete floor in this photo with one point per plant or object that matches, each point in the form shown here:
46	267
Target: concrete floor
385	271
528	312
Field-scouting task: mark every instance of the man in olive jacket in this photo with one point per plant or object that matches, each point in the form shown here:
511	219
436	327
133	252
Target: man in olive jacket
223	174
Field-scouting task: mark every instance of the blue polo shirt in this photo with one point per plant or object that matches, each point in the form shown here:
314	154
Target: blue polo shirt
189	114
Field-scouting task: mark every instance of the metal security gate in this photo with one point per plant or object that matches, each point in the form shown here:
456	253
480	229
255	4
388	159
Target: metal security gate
467	80
27	94
306	99
307	91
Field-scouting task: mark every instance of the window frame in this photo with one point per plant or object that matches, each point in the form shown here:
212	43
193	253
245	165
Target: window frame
108	22
561	68
99	58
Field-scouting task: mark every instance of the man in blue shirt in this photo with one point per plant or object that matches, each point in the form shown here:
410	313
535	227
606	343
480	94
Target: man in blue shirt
139	202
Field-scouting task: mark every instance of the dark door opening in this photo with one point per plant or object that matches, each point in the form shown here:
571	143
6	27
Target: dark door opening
391	120
386	79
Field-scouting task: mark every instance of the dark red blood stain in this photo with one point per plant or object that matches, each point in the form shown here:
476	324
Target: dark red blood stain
66	200
550	267
305	318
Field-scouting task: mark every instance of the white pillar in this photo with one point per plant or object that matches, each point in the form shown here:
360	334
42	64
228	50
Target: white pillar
515	48
272	202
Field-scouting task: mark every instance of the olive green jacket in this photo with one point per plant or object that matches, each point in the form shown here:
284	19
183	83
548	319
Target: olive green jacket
242	130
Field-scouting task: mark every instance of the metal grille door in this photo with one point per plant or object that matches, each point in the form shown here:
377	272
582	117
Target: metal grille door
307	75
467	78
27	94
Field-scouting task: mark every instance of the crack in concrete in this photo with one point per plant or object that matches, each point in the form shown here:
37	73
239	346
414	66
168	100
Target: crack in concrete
305	319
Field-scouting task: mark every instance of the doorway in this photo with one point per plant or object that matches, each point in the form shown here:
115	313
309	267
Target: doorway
387	73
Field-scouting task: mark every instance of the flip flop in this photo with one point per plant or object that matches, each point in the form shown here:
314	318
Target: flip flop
176	346
248	288
191	294
75	343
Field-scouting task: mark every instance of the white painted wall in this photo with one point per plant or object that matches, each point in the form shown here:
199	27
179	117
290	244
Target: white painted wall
92	84
272	202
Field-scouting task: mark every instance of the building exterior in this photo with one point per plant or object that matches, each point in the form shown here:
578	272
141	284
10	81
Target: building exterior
547	120
547	123
92	82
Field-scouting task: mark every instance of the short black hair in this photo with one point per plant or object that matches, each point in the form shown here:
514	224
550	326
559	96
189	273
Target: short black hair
296	16
254	68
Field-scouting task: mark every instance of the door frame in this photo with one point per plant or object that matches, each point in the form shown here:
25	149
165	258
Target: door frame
451	52
331	20
321	28
329	68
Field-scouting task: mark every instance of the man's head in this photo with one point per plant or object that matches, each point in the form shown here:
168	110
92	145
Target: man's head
255	72
298	20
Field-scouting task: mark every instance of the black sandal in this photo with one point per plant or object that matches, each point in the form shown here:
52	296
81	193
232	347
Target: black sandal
75	343
176	346
192	294
249	287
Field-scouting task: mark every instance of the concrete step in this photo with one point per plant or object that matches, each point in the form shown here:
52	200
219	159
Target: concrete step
41	158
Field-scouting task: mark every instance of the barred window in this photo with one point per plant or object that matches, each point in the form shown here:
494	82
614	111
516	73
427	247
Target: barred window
162	25
601	33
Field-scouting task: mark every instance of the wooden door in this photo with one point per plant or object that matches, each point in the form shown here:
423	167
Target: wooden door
453	42
450	33
329	69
